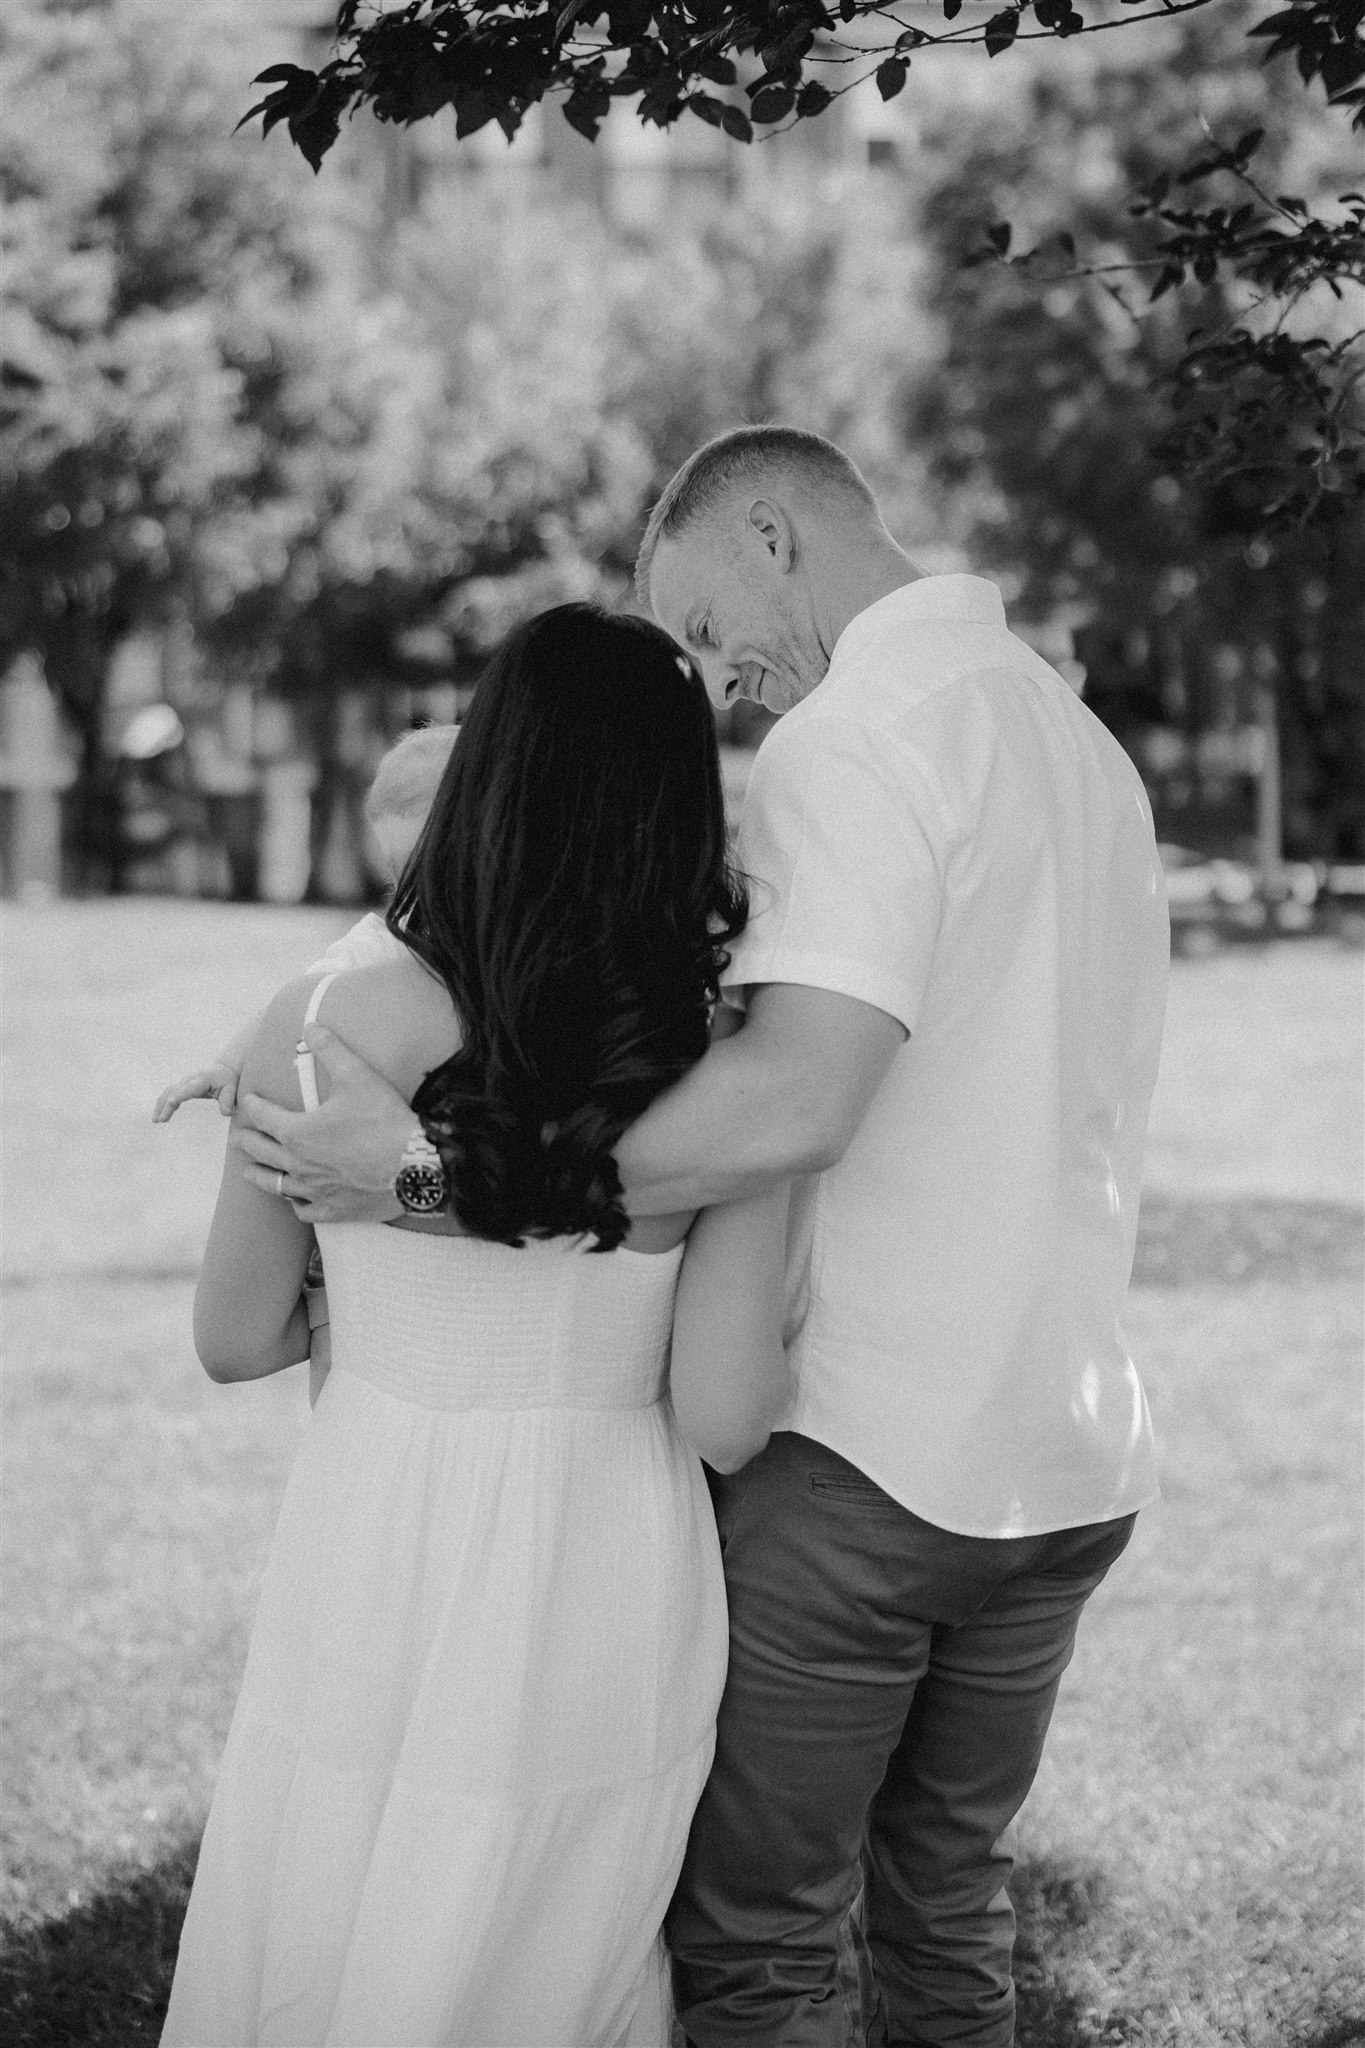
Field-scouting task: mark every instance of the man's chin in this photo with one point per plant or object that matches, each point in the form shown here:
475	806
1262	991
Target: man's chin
779	694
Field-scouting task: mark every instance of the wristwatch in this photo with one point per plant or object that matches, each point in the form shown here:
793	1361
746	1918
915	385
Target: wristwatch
420	1182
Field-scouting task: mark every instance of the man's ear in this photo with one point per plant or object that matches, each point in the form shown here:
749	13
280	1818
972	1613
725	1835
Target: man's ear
773	527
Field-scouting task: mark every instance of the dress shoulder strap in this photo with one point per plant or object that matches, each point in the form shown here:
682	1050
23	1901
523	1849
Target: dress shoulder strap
304	1064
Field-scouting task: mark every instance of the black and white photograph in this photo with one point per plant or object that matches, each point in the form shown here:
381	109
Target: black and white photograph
682	839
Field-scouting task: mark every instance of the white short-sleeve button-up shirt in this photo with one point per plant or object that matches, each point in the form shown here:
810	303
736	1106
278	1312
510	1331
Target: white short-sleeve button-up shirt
942	829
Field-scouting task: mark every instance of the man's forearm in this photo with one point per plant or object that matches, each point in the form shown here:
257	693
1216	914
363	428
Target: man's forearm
783	1097
732	1127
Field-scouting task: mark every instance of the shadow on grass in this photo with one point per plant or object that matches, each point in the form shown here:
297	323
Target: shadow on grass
1053	1905
99	1977
1062	1915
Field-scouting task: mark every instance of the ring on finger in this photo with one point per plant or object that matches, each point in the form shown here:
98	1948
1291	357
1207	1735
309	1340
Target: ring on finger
279	1185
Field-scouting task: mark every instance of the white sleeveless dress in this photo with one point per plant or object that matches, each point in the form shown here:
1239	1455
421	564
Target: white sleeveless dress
481	1692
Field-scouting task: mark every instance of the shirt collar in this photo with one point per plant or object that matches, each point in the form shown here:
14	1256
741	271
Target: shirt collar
929	600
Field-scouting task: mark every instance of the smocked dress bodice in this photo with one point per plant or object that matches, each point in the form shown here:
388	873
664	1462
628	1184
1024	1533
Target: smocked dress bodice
458	1323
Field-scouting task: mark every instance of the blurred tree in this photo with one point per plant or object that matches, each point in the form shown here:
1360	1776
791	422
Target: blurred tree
1261	382
343	462
135	236
1050	431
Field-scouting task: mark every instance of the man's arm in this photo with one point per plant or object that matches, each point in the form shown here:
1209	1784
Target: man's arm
782	1097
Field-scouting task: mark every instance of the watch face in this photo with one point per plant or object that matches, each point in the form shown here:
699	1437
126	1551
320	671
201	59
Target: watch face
421	1187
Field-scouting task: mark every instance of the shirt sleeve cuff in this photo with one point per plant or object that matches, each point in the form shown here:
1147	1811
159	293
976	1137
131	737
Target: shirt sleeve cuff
843	977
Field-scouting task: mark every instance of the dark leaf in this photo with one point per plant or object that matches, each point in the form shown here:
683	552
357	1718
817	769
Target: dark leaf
472	112
662	101
577	10
999	237
813	98
259	108
583	113
951	9
1202	167
314	134
891	76
1275	24
1173	274
707	108
1001	30
773	102
737	124
277	110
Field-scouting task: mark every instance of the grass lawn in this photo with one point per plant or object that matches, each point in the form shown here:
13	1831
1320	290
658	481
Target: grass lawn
1191	1866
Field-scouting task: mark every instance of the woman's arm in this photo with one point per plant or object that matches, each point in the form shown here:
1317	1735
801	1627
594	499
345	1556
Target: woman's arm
729	1378
249	1314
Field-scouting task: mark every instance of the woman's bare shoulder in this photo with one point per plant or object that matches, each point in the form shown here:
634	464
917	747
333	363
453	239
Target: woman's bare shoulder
397	1015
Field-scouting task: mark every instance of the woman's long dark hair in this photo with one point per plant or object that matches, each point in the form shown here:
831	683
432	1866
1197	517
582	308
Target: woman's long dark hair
572	891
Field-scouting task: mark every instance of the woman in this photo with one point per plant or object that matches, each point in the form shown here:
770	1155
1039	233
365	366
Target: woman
480	1696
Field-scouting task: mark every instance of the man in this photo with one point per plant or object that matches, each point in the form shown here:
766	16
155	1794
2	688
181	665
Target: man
954	977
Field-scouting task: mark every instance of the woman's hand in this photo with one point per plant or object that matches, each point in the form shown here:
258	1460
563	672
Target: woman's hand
338	1161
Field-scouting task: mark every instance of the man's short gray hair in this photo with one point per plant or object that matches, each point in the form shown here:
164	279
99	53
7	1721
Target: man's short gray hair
746	455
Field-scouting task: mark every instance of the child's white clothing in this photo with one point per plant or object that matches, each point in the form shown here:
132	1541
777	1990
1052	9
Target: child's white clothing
367	943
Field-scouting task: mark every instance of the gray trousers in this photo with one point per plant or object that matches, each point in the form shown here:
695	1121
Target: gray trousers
889	1690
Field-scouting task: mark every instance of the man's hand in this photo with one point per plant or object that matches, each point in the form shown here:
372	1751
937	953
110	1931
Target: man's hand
217	1079
338	1161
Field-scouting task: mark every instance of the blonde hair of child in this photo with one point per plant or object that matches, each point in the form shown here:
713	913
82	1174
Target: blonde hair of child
407	777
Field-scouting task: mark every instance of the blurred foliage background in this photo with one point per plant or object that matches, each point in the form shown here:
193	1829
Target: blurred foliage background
285	454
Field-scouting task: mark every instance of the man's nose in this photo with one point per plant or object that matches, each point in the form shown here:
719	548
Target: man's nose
721	680
714	674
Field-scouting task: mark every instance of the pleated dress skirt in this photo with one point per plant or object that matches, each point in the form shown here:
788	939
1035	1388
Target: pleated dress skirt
480	1697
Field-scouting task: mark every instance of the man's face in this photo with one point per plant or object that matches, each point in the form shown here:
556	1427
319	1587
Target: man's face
746	622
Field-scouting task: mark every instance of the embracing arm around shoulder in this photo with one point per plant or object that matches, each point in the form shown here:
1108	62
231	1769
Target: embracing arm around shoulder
782	1097
729	1379
249	1314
